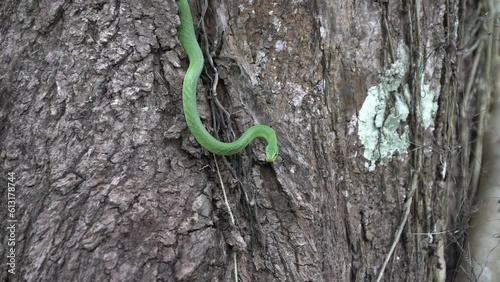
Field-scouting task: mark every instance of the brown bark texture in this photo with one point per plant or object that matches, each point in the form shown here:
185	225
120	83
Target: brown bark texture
102	180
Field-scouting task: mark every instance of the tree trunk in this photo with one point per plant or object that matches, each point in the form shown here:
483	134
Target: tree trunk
378	107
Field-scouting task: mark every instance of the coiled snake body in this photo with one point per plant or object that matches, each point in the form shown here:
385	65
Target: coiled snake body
205	139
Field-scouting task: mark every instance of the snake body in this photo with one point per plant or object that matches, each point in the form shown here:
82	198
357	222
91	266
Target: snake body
205	139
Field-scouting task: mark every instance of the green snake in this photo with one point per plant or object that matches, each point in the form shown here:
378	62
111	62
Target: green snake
205	139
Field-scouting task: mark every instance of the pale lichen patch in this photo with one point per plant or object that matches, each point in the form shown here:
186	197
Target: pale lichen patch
380	134
382	131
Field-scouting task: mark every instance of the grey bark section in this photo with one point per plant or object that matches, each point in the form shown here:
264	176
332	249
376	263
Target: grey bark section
85	107
112	186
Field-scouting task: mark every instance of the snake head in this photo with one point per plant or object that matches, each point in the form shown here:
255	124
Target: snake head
271	152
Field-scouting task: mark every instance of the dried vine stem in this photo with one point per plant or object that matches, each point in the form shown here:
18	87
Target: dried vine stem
233	222
397	236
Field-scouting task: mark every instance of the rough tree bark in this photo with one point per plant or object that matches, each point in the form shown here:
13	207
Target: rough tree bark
111	186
